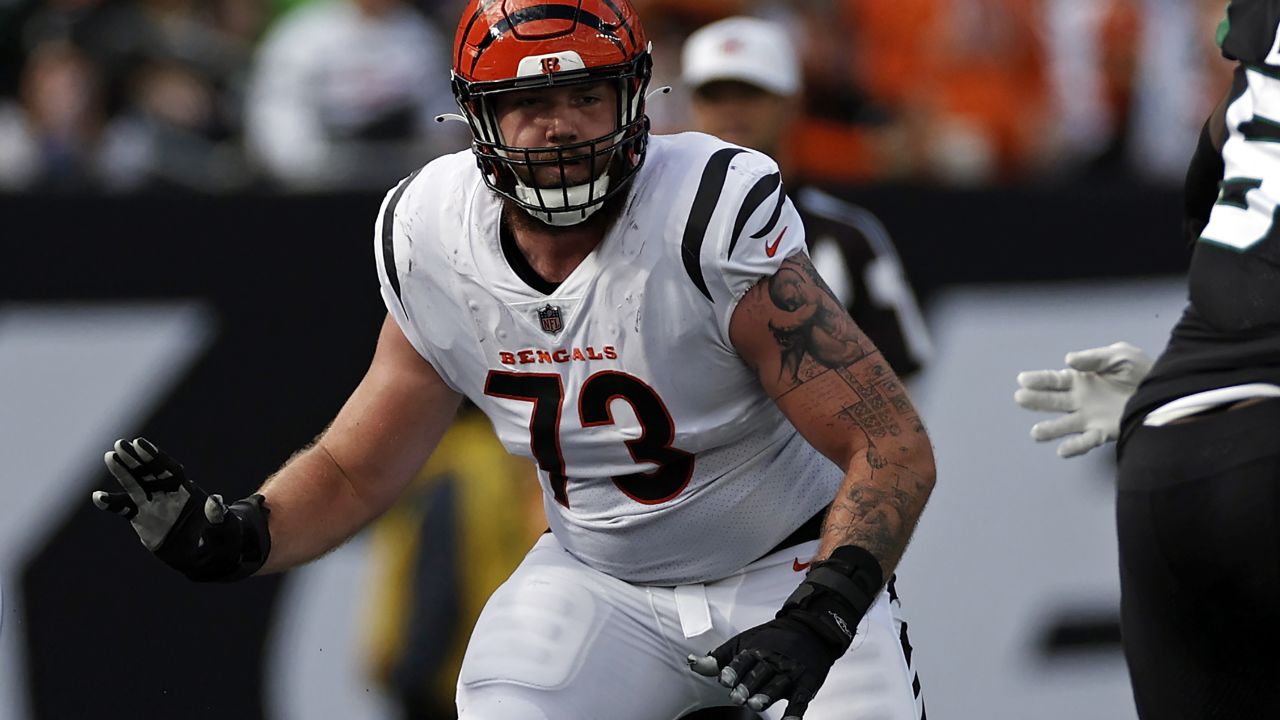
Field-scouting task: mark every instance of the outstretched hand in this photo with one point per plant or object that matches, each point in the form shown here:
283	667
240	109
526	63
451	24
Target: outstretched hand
1092	391
157	496
190	530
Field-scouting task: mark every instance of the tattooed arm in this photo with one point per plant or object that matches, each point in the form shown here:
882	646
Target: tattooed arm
839	392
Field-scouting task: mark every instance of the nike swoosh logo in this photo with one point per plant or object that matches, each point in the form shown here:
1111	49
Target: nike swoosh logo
800	566
771	249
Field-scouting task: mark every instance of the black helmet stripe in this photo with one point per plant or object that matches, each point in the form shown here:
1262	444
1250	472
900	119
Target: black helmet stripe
545	12
484	5
622	22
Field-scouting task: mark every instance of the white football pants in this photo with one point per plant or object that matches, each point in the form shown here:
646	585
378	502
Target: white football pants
561	641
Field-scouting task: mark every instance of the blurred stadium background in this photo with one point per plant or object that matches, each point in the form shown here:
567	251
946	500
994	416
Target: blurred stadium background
187	195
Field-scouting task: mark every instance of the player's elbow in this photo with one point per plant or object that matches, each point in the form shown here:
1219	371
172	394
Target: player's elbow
920	460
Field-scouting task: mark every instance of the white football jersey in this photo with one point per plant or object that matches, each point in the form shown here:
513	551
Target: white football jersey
661	458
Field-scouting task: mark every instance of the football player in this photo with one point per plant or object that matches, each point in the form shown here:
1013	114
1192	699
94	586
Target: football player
1199	481
726	494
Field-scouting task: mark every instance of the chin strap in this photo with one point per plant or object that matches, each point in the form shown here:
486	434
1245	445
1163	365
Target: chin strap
551	198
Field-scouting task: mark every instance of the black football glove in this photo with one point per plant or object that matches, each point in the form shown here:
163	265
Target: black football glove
788	658
193	532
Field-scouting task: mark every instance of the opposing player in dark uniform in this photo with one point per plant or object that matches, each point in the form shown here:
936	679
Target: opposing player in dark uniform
1198	508
744	78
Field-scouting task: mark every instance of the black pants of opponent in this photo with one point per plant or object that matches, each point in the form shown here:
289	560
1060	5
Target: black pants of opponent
1198	518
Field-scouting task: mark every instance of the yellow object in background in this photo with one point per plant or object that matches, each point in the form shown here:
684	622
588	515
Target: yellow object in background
459	531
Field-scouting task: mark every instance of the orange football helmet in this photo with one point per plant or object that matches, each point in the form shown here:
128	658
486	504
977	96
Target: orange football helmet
504	45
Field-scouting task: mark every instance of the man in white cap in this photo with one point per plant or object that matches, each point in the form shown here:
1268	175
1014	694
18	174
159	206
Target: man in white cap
744	76
745	79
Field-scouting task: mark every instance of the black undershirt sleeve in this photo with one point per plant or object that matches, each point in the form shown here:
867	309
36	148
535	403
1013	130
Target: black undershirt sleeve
1201	190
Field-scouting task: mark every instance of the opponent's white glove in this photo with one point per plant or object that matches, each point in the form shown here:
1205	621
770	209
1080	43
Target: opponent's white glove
1092	390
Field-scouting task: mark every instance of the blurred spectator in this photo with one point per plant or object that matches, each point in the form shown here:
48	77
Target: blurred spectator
49	141
1132	82
170	76
668	23
1092	49
211	39
842	134
343	95
835	132
745	82
951	90
160	94
214	35
967	77
173	134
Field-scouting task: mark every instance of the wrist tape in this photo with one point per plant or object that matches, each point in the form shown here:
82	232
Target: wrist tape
231	550
255	537
836	593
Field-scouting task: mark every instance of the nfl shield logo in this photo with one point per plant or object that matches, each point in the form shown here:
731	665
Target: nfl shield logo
549	316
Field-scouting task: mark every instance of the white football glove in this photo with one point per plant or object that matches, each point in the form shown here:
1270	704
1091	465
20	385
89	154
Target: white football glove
1092	390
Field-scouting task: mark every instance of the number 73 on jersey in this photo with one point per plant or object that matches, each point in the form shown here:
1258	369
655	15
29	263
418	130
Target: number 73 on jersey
545	391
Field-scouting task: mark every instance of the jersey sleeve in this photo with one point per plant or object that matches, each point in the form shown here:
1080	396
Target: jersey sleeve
392	250
1248	32
749	225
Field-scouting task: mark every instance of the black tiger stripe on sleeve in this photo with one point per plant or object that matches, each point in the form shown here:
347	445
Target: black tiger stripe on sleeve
773	219
388	237
759	192
704	205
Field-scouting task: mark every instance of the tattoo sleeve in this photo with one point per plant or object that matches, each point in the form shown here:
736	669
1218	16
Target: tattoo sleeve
837	389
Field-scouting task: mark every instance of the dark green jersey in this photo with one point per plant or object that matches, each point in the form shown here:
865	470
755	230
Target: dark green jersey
1230	332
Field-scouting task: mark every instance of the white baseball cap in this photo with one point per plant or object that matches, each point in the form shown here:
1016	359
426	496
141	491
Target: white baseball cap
750	50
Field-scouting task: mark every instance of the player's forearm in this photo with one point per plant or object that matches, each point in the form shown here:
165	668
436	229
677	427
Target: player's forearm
883	494
364	460
316	506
